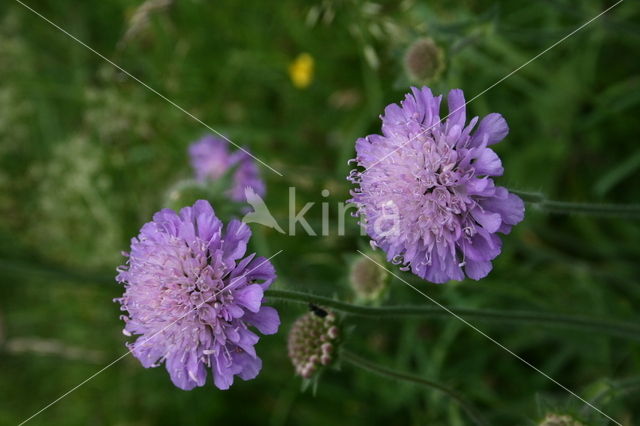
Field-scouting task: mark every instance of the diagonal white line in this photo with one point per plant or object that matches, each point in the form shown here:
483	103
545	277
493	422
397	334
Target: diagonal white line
145	341
432	300
496	83
75	387
145	85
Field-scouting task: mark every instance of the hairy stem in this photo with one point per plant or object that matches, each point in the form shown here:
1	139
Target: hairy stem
372	367
612	328
540	201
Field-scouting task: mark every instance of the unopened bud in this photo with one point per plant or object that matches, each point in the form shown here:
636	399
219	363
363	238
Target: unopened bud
368	280
552	419
311	343
424	60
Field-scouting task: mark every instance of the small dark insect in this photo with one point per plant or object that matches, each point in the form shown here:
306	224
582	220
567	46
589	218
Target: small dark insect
317	310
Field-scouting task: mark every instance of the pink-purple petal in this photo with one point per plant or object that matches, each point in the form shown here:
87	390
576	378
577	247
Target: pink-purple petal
266	320
494	127
250	297
488	163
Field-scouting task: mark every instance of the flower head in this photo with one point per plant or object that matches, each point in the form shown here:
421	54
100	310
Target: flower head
427	193
191	295
312	342
212	159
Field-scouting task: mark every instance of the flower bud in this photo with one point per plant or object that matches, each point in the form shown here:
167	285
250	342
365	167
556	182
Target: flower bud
368	280
552	419
333	333
312	342
424	60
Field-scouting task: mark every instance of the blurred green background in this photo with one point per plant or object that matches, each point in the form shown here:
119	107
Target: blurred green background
87	155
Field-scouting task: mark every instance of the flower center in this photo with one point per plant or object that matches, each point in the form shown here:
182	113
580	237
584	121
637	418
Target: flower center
441	186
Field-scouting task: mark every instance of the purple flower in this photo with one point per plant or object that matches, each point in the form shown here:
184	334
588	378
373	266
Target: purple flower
211	159
427	194
191	295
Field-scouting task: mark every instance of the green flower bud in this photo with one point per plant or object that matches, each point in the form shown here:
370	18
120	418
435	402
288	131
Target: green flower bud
368	280
423	61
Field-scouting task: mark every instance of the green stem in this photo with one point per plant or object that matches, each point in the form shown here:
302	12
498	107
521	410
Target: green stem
612	328
367	365
540	201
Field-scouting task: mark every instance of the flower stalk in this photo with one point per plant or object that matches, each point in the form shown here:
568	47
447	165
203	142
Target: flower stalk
611	328
379	370
541	202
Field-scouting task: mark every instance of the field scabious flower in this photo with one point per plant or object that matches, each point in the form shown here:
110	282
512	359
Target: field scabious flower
191	295
212	159
427	194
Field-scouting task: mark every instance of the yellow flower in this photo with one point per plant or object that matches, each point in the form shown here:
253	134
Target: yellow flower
301	71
